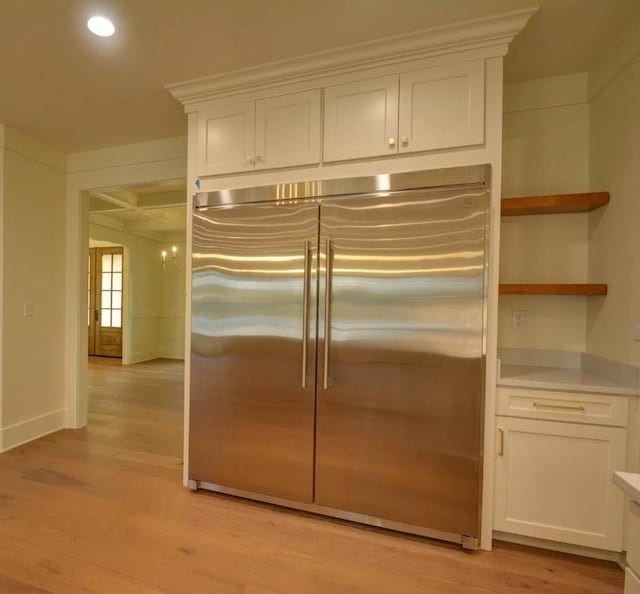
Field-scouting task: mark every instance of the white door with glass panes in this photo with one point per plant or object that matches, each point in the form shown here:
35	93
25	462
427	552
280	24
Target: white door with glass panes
105	301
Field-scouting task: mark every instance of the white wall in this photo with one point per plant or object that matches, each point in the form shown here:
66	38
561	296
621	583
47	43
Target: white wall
614	231
545	151
154	299
173	293
33	270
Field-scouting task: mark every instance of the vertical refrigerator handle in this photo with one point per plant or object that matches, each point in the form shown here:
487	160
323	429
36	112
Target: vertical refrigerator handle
305	314
327	313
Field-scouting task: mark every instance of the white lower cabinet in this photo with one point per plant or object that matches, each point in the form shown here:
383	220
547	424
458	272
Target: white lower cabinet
554	480
631	580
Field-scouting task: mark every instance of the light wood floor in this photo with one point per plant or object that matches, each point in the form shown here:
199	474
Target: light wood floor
102	510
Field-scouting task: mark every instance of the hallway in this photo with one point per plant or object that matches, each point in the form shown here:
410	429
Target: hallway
138	408
102	510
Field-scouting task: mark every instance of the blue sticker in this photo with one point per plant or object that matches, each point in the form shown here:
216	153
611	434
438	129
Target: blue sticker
198	184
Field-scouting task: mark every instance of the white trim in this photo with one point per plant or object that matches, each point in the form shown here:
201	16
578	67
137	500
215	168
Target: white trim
493	141
192	123
139	164
140	153
25	431
33	149
551	545
2	133
496	31
142	356
545	93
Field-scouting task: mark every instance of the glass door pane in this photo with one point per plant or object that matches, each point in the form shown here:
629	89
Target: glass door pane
107	300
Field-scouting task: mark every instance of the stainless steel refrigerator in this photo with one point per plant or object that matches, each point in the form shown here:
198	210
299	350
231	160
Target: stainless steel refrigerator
338	342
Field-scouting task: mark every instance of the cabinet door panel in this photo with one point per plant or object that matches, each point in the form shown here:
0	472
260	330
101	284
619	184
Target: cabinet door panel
225	138
360	118
442	107
554	481
288	130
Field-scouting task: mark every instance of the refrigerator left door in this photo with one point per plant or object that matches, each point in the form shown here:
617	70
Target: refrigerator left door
254	300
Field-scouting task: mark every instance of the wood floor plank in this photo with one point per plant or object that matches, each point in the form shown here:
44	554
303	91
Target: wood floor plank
102	510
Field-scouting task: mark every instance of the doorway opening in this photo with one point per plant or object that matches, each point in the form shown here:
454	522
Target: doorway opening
136	317
136	310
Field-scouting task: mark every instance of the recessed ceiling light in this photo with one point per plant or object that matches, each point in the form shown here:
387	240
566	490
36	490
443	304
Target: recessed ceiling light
101	26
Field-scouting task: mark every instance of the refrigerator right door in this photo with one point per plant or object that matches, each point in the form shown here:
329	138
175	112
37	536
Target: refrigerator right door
401	365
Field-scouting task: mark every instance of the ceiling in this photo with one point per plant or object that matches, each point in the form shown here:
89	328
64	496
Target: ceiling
155	211
77	92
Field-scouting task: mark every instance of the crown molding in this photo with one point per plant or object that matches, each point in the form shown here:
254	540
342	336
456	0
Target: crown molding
17	142
494	31
544	93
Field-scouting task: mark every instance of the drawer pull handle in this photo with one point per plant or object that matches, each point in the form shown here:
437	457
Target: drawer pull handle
501	450
559	406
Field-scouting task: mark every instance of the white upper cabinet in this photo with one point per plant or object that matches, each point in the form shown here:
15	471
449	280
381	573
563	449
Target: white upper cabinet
415	93
278	131
434	108
442	107
225	137
288	130
361	119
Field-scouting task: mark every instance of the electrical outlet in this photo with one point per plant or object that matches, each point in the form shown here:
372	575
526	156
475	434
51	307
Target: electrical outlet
636	328
518	318
28	309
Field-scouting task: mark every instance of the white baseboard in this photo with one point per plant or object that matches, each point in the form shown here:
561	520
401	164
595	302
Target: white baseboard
25	431
173	355
560	547
141	356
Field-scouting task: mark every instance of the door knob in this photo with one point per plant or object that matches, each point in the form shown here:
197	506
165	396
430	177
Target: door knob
405	141
259	159
392	142
249	160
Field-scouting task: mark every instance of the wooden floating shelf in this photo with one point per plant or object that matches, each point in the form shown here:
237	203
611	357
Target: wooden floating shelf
553	204
553	289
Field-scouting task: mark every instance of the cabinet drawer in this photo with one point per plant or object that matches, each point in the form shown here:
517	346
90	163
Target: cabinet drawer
595	409
631	582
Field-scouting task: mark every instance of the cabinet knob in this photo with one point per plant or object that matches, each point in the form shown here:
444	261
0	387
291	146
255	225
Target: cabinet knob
405	141
259	159
392	142
249	160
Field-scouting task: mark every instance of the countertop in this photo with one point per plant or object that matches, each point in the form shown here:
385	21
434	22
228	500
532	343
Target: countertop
565	370
629	482
560	378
